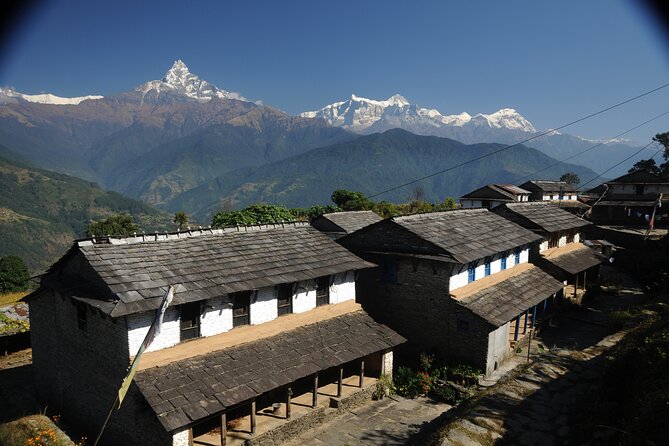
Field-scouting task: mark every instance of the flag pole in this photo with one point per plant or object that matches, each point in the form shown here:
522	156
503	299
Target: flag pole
154	330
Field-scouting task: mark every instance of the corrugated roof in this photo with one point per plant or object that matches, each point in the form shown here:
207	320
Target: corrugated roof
212	264
469	234
186	391
351	221
501	302
546	216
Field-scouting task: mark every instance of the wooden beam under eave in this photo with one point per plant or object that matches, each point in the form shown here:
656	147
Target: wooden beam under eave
224	428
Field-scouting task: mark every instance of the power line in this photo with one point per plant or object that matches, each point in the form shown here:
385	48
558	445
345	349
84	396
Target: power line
523	141
594	147
618	164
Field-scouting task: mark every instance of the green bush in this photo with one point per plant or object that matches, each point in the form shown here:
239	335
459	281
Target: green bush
14	274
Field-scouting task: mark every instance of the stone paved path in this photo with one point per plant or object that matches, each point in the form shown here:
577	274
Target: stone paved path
536	404
391	421
533	405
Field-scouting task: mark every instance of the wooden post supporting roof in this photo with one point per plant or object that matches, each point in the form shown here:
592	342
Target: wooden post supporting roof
223	429
190	436
340	382
314	396
289	394
575	285
584	276
253	416
362	374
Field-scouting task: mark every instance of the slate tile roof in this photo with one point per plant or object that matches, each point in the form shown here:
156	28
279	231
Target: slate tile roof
548	186
469	234
353	220
213	264
543	216
186	391
499	303
575	261
504	192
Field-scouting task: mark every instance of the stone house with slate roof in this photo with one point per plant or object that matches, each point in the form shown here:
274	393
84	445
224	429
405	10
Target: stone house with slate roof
338	224
547	190
457	283
492	195
561	253
629	200
556	192
259	315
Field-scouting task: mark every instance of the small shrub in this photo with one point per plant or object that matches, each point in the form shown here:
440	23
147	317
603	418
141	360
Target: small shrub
384	387
447	394
407	383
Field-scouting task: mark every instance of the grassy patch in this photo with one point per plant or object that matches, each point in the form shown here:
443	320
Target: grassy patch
33	430
10	298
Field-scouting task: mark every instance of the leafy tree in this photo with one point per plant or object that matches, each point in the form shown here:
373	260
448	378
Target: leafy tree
253	215
648	165
14	275
570	178
663	138
181	220
351	201
120	224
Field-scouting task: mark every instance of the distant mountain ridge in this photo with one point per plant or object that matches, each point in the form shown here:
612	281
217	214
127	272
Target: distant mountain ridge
506	126
371	164
41	212
161	138
167	137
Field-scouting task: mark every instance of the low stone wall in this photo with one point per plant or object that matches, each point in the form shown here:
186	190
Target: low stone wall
311	420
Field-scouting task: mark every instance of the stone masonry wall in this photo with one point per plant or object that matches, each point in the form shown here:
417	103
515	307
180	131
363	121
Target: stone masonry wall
78	372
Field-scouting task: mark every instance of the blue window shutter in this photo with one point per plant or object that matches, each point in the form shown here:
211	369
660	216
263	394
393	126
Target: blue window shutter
487	266
471	273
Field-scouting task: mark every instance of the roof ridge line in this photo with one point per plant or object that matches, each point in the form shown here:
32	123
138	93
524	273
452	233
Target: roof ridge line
186	233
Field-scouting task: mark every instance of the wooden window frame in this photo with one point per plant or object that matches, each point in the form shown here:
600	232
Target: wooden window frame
284	299
244	319
323	290
194	331
82	316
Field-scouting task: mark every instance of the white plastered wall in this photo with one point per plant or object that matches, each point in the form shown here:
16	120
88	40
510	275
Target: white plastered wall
181	438
139	324
461	278
263	305
216	317
343	287
498	348
304	298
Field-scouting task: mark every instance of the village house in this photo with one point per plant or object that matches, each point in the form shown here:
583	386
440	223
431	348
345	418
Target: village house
629	200
548	190
456	283
557	192
492	195
262	318
561	253
338	224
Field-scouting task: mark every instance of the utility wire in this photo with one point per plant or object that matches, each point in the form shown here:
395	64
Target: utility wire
593	147
523	141
618	164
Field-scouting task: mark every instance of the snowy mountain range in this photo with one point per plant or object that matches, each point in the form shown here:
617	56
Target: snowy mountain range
202	103
7	94
362	115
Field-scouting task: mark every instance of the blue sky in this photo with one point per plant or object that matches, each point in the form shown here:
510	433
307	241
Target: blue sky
552	61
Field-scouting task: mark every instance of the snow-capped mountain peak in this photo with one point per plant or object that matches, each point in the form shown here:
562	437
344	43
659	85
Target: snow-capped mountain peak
44	98
506	118
179	79
368	115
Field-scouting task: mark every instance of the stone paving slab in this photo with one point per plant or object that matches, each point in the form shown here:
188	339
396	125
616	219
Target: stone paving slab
390	421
